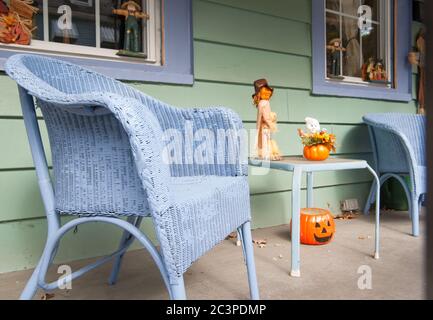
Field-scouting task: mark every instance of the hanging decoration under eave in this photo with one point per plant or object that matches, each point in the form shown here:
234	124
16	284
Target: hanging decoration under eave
16	21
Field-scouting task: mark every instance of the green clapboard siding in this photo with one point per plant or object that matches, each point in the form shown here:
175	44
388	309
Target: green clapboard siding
297	10
216	62
14	145
9	103
252	29
235	42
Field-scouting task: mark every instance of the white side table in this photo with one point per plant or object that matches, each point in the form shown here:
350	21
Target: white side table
298	165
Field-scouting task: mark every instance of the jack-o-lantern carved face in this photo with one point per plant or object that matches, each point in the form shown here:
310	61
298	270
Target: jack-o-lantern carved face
317	226
324	230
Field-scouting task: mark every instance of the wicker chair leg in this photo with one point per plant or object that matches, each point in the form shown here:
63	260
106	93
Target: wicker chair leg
370	198
177	290
32	284
415	215
247	243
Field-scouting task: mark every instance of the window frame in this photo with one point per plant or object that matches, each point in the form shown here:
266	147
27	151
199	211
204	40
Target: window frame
153	47
176	57
402	70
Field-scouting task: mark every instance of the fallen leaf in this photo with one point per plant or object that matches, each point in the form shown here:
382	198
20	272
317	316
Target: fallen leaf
232	235
347	216
47	296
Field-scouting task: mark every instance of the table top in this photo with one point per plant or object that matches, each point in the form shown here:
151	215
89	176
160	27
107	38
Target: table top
292	162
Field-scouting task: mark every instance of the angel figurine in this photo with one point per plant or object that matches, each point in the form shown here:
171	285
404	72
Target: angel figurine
266	147
131	10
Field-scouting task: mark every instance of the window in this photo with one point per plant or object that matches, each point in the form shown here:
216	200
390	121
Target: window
91	33
360	48
89	27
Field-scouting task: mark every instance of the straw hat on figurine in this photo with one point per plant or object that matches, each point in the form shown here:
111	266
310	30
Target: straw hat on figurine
261	83
131	3
331	43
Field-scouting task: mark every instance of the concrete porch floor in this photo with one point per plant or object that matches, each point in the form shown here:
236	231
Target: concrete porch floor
328	272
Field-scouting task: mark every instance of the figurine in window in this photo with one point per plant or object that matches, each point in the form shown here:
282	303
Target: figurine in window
132	12
266	147
380	73
365	69
371	69
335	46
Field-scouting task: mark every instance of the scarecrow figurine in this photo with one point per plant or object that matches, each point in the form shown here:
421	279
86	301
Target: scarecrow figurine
132	12
266	147
335	47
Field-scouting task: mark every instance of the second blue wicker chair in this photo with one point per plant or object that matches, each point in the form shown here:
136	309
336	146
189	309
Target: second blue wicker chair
109	162
399	148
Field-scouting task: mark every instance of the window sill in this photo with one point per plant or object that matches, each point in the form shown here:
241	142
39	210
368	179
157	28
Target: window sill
70	50
358	82
355	90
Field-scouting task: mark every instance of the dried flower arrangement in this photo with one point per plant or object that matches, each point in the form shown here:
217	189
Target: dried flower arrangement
322	137
16	25
318	143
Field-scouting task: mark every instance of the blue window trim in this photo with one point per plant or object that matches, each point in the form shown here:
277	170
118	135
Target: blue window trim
178	44
322	86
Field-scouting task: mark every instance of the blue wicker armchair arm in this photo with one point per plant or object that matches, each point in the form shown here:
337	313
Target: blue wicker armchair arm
144	134
142	128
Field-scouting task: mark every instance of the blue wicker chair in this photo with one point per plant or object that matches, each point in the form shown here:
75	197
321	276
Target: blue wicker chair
110	165
399	148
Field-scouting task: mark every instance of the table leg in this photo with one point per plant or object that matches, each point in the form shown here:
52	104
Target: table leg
377	231
310	184
296	212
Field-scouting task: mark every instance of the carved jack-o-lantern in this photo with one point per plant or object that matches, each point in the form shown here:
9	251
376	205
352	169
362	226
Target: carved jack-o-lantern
317	226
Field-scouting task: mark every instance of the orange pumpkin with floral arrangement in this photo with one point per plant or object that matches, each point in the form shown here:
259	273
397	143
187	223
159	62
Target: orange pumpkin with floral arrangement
318	143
